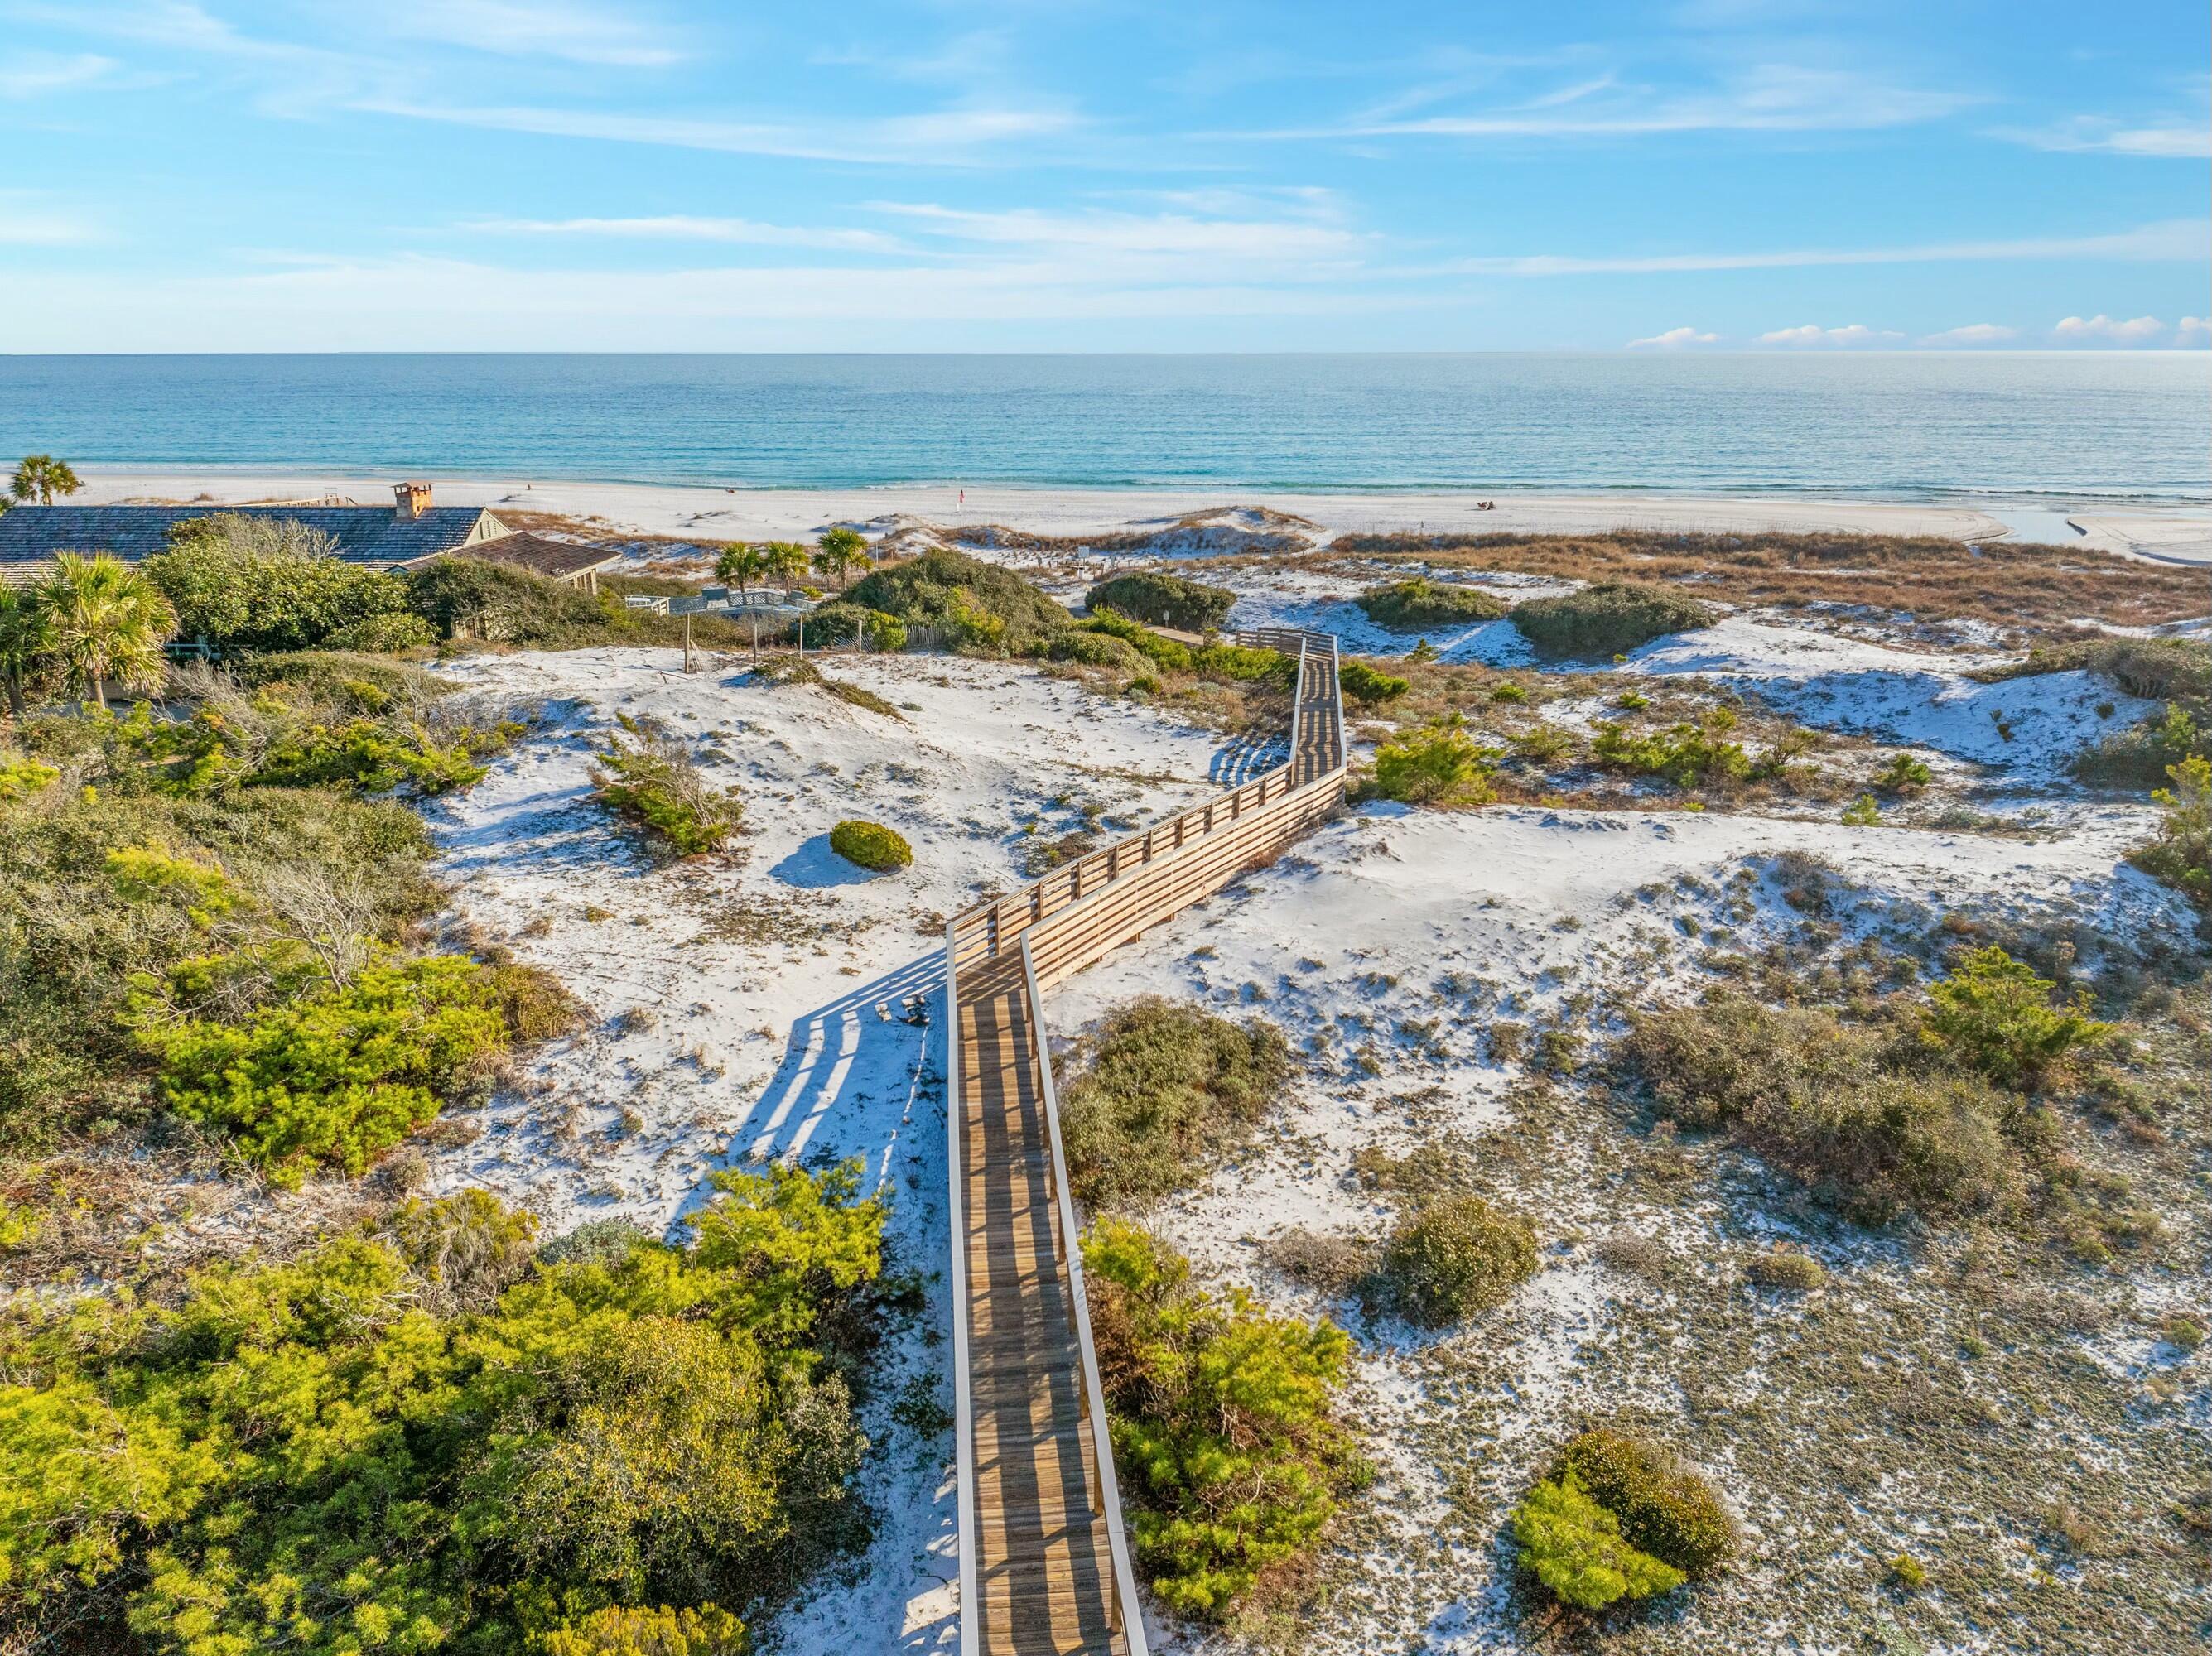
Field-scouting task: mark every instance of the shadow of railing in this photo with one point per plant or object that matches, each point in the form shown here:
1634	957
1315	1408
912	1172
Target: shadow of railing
1244	757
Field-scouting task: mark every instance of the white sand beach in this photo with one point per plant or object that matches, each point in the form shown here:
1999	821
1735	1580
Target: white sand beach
738	514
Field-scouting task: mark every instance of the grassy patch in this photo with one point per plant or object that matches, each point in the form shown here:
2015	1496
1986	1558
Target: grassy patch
1164	1091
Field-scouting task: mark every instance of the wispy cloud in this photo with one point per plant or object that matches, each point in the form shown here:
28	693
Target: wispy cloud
684	227
1974	333
1675	339
2193	331
582	33
950	137
28	218
1290	240
1769	98
2177	139
30	74
2170	238
1811	334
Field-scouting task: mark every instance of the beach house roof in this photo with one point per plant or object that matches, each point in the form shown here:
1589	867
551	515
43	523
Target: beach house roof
561	561
380	536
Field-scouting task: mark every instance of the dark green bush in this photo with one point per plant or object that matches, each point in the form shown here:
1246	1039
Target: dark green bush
1164	1090
499	604
1574	1548
1222	1423
1092	649
1665	1507
1453	1258
871	845
840	622
1407	606
1164	600
385	634
1608	618
653	780
1170	655
978	605
1995	1015
1367	685
248	585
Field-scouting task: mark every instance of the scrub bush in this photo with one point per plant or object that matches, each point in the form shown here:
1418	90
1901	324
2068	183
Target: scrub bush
707	1631
980	605
254	585
473	598
1665	1507
1438	764
2181	855
1222	1423
384	635
1407	606
1163	599
1574	1547
871	845
1092	649
840	622
1796	1273
1164	1091
1368	686
1608	618
1994	1014
1688	756
653	780
1454	1257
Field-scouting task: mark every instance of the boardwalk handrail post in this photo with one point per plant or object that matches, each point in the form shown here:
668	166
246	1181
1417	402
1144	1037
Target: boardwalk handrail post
962	1380
1094	1392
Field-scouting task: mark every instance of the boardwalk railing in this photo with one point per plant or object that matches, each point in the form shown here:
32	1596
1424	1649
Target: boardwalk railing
1057	926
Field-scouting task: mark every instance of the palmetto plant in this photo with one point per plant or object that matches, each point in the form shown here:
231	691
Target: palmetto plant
743	565
40	477
787	563
106	621
27	636
842	551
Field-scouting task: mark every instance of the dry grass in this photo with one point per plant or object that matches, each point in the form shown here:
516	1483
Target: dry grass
1937	579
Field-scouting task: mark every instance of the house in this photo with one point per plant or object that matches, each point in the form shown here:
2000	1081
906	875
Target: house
412	531
566	561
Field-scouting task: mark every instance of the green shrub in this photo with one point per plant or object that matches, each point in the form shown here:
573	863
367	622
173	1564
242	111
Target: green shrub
1164	1091
1238	663
979	605
653	780
1688	756
1665	1507
1454	1257
1908	1572
344	681
1368	686
1573	1546
463	597
1165	600
250	584
1406	606
418	1440
871	845
1093	649
1608	618
840	622
2181	855
1509	692
384	635
333	1077
706	1631
1994	1014
2182	1333
1863	812
20	775
1796	1273
1905	774
2139	756
1438	764
1169	655
1222	1420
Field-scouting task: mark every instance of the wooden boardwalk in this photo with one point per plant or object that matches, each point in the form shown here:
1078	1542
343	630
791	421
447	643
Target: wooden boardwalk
1044	1566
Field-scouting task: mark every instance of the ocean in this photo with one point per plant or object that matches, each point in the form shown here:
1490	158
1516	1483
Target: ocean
2031	429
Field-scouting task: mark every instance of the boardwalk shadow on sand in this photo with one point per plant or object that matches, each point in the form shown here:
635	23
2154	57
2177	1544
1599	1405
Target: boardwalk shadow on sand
853	1073
1245	757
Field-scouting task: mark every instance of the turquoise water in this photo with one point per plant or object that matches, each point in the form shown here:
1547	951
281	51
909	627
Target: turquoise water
2034	429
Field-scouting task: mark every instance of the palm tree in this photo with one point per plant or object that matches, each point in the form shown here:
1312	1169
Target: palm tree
41	476
842	551
26	638
109	622
743	564
787	561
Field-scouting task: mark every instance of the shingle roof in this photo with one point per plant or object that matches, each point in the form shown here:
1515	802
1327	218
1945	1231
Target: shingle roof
556	560
364	534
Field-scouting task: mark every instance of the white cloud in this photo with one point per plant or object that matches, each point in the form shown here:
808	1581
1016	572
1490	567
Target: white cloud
948	137
2193	331
1974	333
1675	339
533	28
1856	333
2176	139
2168	238
2102	329
30	74
680	226
1769	98
26	221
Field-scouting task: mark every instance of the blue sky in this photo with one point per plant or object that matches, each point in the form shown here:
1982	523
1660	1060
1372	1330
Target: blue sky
543	175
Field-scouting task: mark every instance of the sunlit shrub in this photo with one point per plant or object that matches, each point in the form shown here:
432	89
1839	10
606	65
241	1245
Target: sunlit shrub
1438	764
871	845
1454	1257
